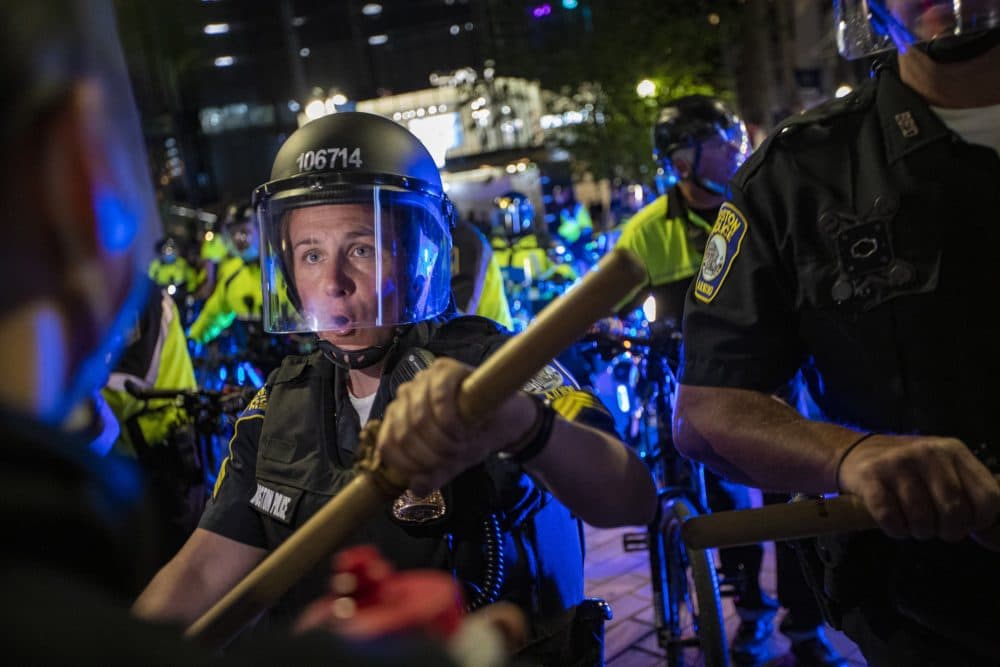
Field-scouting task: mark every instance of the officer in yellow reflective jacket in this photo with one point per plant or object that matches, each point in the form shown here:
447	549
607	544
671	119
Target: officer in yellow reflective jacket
171	269
575	224
698	143
237	292
515	245
476	280
669	237
158	433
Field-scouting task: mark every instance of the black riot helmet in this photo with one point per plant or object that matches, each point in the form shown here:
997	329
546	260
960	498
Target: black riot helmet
355	229
513	215
691	124
945	30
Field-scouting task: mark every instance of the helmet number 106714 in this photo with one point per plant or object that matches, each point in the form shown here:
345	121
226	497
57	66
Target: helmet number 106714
329	158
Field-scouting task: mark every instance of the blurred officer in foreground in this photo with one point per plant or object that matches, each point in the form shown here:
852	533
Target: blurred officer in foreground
858	245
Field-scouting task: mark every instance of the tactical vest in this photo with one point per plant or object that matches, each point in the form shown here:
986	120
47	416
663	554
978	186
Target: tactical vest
307	444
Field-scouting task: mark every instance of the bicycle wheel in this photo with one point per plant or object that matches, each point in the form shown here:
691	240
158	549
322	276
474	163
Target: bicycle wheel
692	584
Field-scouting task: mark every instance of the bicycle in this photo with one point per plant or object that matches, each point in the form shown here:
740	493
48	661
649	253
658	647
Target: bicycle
212	414
685	582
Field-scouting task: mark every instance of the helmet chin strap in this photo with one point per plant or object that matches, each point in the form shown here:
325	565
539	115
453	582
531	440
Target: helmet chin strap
357	359
960	48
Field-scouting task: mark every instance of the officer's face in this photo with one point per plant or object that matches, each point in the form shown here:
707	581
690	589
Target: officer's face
717	163
333	251
244	237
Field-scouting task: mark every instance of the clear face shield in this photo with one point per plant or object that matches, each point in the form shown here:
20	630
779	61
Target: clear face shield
351	258
713	159
111	285
866	27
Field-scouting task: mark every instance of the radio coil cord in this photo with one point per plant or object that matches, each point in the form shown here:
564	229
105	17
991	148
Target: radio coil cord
489	591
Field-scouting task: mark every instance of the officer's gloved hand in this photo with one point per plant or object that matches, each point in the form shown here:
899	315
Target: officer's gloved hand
424	438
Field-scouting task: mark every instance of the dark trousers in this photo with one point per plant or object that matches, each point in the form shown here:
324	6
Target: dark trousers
916	603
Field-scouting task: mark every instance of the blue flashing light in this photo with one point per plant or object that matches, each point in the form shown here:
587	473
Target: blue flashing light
117	227
622	395
255	379
570	4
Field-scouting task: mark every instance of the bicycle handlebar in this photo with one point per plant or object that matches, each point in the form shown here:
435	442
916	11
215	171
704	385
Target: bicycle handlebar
152	394
659	334
790	521
223	399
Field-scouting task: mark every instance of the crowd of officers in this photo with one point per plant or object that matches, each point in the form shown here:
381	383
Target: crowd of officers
831	286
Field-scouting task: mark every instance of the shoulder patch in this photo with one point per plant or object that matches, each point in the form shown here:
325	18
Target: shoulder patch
723	246
257	405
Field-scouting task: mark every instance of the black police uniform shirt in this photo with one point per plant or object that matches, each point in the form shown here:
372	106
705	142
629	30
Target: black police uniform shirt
860	243
294	447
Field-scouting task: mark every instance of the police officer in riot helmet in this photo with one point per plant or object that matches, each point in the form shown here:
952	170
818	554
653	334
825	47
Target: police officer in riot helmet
239	229
513	216
169	269
856	247
355	248
522	256
698	144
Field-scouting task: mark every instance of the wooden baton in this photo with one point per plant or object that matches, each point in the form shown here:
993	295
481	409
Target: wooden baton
558	326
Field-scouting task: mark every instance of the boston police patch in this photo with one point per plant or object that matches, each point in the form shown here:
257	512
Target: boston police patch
721	249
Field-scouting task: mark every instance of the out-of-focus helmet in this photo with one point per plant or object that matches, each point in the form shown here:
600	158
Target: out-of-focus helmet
52	56
239	229
513	215
691	122
355	205
948	31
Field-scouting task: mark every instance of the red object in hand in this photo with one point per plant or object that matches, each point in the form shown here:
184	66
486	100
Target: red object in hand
370	600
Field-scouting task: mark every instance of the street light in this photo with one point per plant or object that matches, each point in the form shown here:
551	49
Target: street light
315	109
645	88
